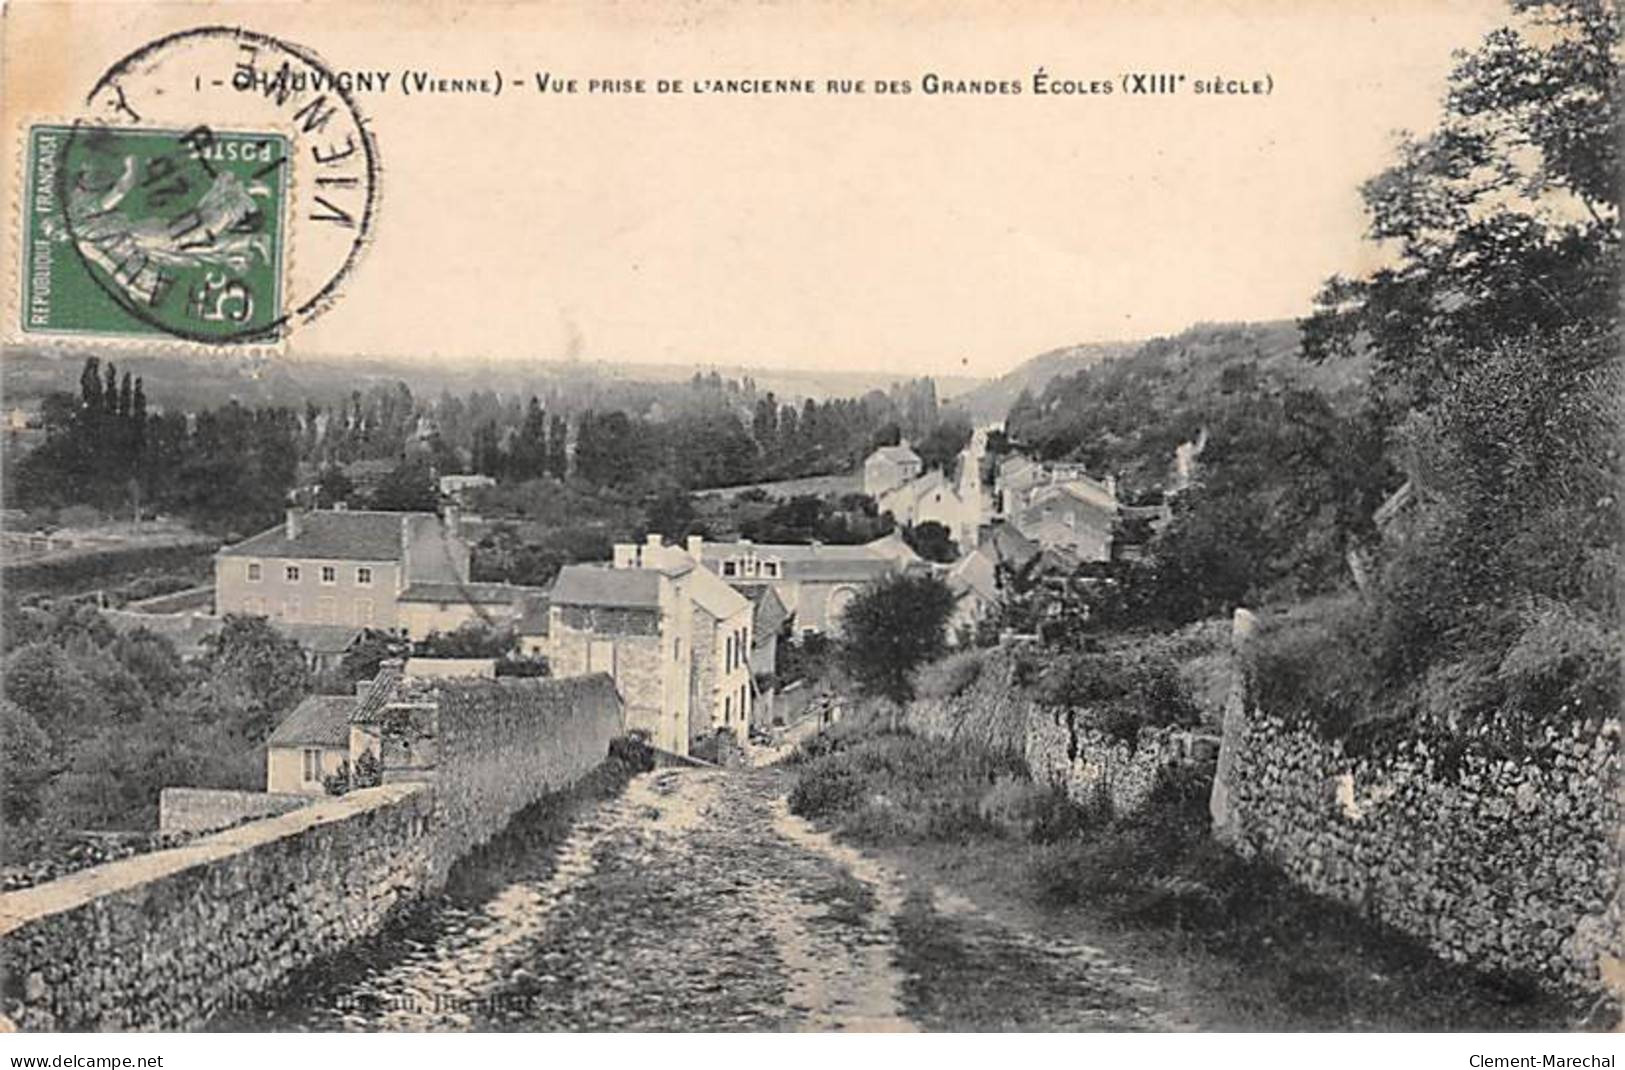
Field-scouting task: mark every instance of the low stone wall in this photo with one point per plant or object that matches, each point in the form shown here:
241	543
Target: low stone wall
163	940
210	809
1505	861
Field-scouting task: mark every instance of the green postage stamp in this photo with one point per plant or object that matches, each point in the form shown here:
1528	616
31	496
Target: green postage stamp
144	232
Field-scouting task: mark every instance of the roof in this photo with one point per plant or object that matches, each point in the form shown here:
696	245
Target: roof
319	638
597	585
368	709
485	594
338	534
896	454
533	616
714	596
318	721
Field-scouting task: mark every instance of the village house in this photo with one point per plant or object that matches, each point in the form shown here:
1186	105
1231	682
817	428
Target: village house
889	467
636	626
977	578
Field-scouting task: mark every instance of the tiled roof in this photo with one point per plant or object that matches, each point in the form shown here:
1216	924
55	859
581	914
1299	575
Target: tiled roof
338	534
319	638
977	572
714	596
595	585
318	721
485	594
378	696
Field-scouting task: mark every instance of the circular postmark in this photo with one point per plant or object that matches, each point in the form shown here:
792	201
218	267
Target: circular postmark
208	159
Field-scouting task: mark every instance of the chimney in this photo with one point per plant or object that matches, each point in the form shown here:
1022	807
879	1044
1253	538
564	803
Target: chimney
652	540
696	547
292	525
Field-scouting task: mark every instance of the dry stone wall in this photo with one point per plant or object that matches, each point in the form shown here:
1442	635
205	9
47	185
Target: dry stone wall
503	745
1498	850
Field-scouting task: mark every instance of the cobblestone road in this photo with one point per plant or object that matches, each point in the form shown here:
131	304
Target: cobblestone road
696	901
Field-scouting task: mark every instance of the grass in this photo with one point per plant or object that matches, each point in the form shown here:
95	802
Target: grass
1252	949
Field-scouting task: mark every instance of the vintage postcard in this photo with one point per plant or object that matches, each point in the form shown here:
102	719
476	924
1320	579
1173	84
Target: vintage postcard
724	516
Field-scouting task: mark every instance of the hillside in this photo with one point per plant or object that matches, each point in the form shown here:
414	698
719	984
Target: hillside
990	402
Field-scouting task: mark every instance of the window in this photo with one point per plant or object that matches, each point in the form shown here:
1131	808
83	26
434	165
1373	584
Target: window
291	573
730	568
677	648
313	765
727	709
363	576
770	569
330	574
253	572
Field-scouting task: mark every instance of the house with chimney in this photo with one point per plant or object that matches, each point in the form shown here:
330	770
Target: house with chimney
401	572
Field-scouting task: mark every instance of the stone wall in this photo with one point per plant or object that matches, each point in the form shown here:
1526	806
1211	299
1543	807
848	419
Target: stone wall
1507	859
1098	771
163	940
210	809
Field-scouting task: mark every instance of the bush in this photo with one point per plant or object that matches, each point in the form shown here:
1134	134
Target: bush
899	788
950	676
1120	691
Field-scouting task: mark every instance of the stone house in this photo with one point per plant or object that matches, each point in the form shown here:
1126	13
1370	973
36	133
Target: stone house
889	467
636	626
340	567
311	743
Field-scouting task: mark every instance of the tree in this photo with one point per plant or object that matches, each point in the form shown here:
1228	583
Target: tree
26	764
896	625
333	487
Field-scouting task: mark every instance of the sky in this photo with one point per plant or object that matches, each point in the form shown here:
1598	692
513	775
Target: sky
915	234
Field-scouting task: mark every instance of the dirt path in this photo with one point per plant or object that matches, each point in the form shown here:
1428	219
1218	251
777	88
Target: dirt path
696	901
